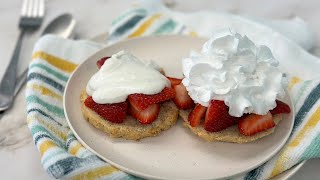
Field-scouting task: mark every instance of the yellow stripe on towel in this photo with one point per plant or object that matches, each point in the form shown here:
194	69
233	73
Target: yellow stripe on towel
62	64
145	26
28	120
74	150
95	173
312	122
55	130
45	91
45	145
294	81
193	34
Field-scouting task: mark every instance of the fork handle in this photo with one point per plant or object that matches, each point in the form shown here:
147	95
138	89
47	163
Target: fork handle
8	82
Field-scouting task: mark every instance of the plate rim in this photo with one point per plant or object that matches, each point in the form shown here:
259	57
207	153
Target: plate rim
101	37
133	172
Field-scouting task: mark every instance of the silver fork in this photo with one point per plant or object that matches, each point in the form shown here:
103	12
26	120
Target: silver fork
31	18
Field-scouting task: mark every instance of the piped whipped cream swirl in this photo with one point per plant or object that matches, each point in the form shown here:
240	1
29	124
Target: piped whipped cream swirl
124	74
231	68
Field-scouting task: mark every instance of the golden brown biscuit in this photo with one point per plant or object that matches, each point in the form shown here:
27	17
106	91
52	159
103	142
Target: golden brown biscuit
131	128
230	134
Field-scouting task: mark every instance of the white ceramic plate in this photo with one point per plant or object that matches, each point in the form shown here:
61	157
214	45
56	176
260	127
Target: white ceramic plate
101	38
176	153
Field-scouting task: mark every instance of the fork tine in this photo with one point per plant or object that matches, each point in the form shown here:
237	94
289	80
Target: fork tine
32	14
24	8
30	8
41	8
35	8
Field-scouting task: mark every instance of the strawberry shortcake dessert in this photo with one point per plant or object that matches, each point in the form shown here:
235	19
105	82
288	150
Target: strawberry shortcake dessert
129	98
236	87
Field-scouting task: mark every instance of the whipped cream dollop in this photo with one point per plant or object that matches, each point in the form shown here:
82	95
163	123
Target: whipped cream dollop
124	74
231	68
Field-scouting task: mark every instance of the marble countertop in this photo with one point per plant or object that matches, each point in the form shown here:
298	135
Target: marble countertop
20	159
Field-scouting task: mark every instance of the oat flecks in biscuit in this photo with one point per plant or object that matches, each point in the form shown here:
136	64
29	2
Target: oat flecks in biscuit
230	134
131	128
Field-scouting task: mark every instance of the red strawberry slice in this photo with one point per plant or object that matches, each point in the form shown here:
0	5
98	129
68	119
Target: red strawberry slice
174	81
101	61
280	108
196	114
115	113
146	116
217	117
254	123
143	101
182	98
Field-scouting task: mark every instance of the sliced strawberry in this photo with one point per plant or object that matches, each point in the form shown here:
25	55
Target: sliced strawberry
174	81
254	123
146	116
280	108
115	113
217	117
196	114
142	101
182	98
101	61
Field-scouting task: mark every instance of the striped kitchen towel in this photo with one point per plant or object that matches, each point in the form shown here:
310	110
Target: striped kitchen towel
61	153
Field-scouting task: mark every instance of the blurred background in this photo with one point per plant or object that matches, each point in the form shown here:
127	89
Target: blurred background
94	17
